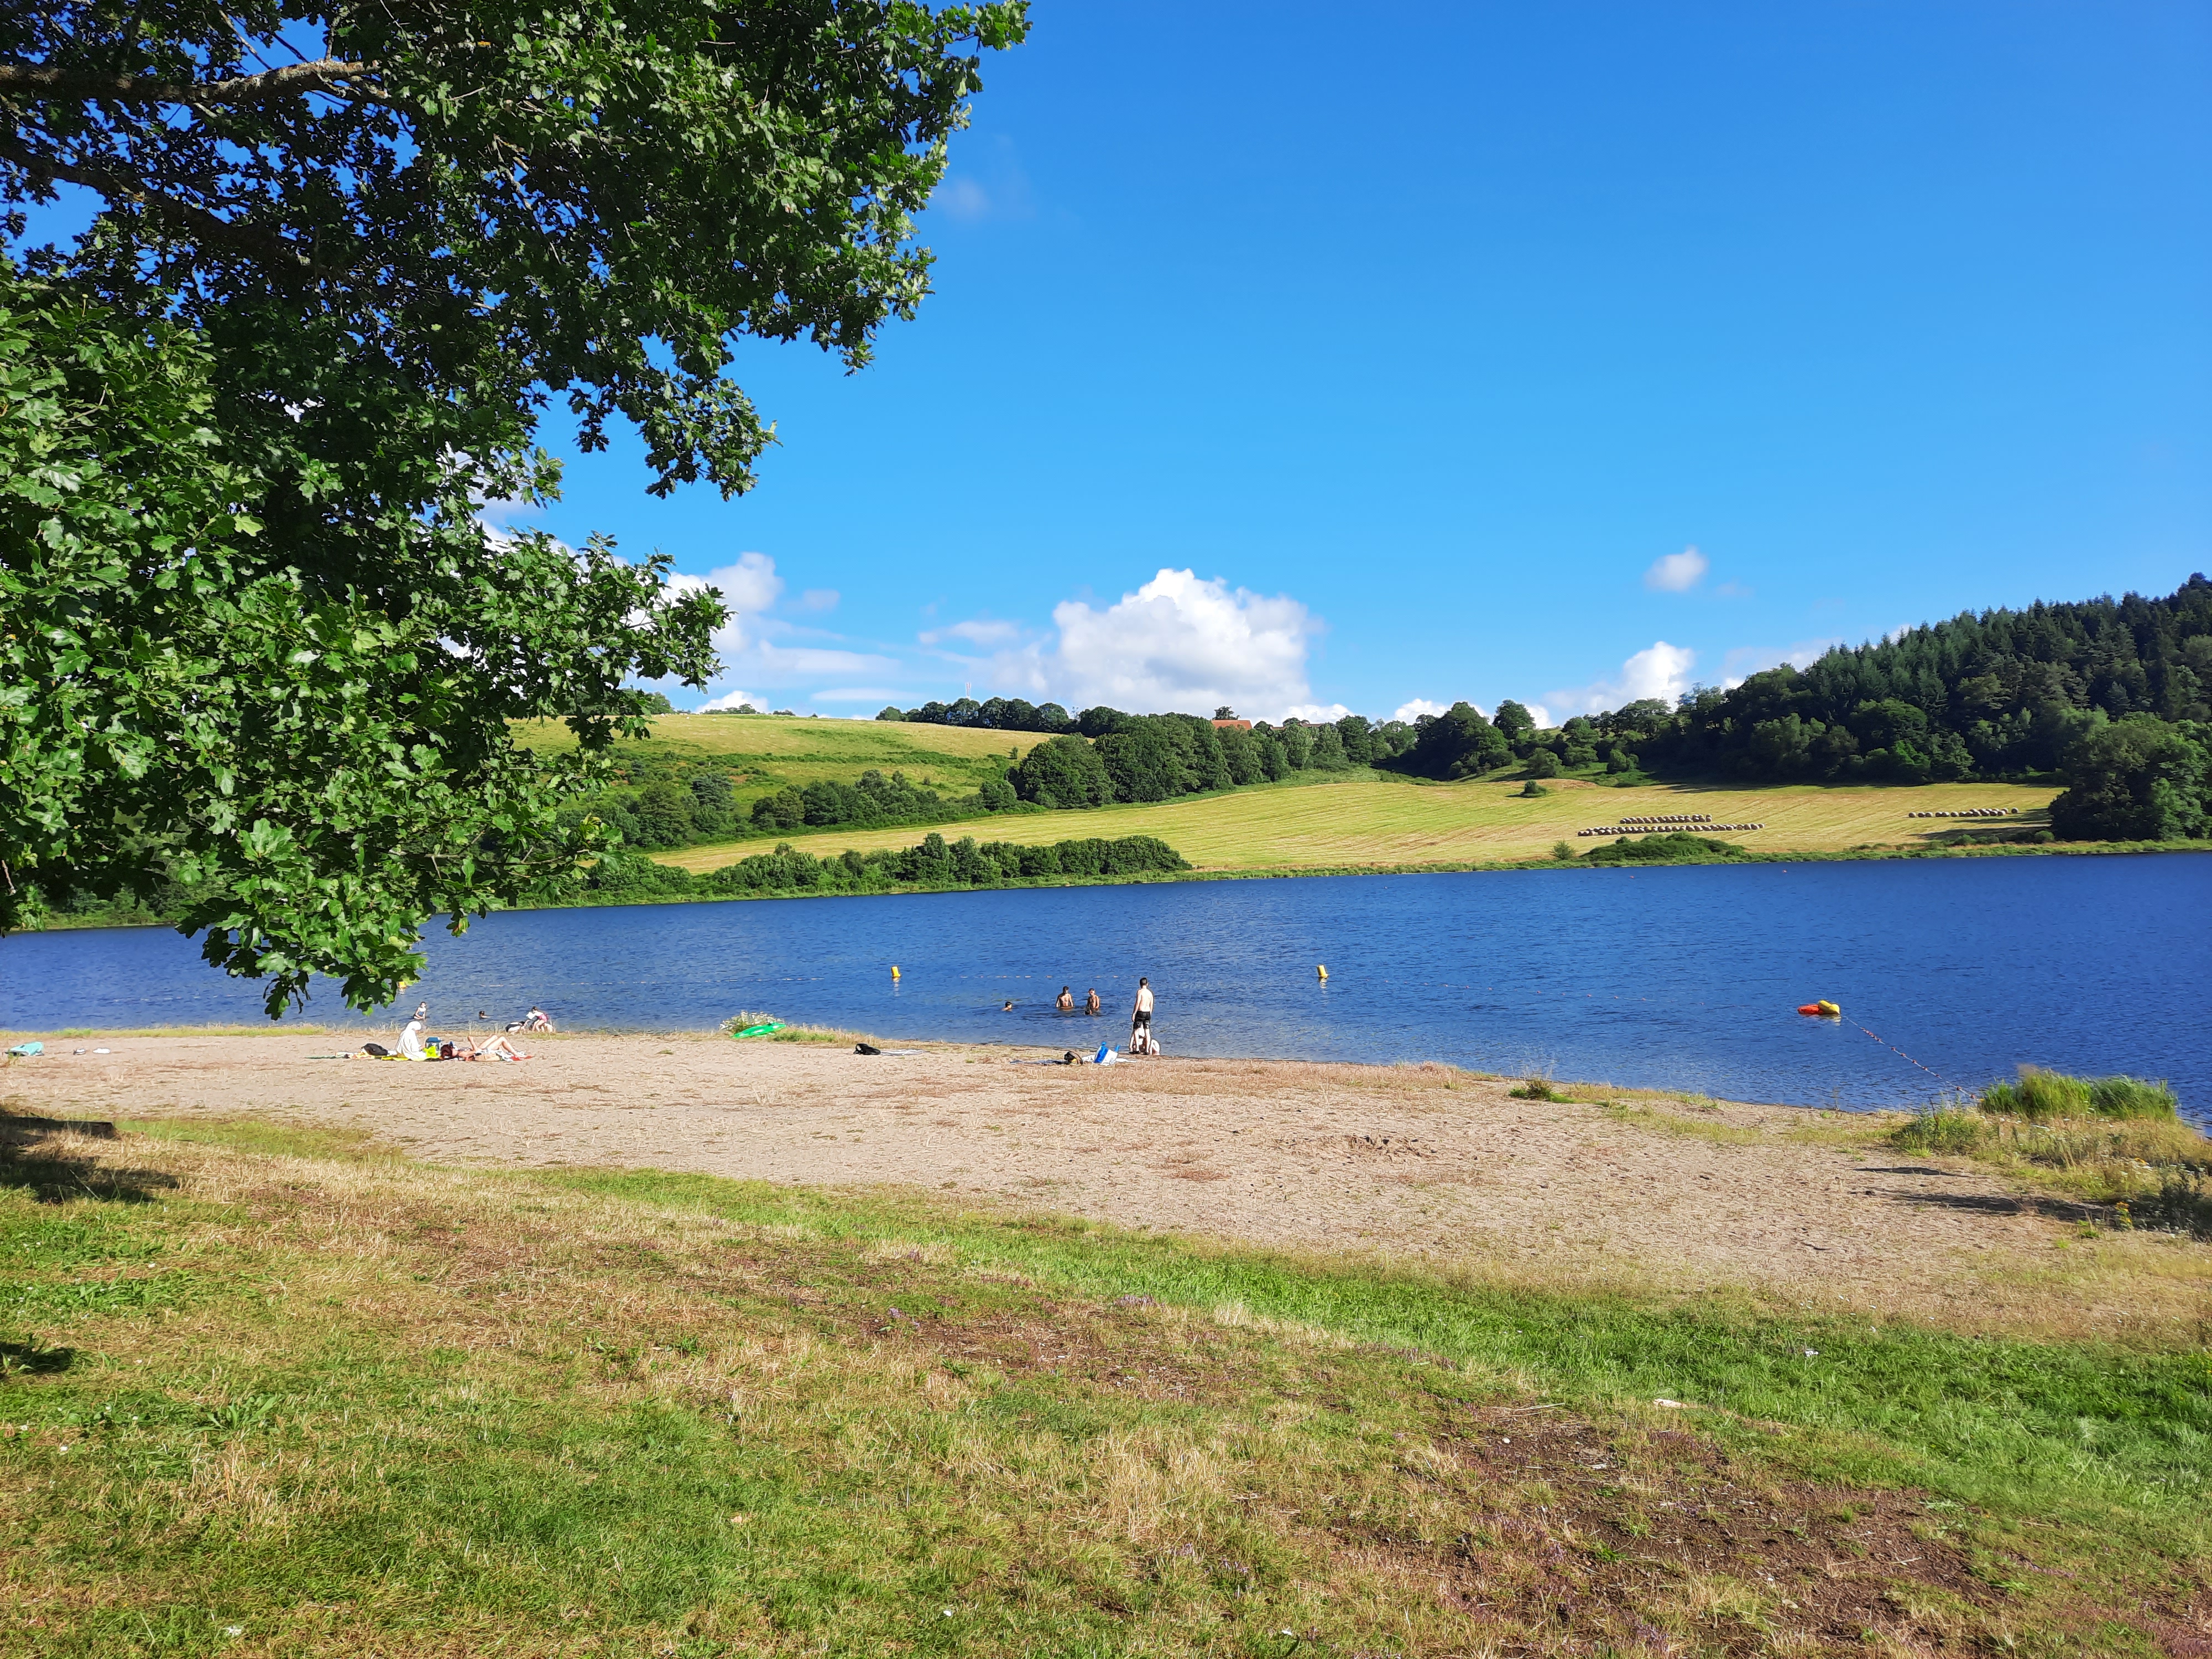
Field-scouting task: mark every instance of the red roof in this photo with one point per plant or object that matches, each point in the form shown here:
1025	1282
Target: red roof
1242	725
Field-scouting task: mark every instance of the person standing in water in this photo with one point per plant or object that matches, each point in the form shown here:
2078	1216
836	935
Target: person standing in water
1141	1018
1066	1001
1092	1005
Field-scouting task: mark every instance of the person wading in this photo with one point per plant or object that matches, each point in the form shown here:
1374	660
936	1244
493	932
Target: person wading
1141	1018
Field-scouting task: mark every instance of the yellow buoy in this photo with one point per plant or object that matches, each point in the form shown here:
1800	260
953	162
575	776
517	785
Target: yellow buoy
894	973
1323	972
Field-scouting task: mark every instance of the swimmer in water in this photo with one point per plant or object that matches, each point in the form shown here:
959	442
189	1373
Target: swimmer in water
1093	1005
1009	1007
1066	1002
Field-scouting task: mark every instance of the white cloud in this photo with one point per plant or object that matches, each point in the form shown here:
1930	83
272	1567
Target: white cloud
1745	660
749	586
1314	714
1661	671
981	631
1178	642
730	700
819	599
875	693
1540	714
1417	707
1677	572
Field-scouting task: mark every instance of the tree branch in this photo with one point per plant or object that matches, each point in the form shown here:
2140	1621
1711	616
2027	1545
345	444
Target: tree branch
289	80
195	222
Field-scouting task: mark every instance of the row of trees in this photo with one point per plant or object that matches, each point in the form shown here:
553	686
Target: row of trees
1153	757
933	864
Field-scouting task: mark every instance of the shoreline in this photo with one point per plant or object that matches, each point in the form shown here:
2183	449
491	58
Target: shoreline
1609	1190
1284	872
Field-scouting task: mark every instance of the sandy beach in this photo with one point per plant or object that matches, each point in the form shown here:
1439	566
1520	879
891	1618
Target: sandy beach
1645	1193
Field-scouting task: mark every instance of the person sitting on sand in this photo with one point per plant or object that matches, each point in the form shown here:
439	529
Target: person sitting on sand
535	1020
1091	1005
1066	1001
411	1041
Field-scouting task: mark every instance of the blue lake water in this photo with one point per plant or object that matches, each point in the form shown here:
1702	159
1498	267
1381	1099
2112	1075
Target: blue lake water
1672	978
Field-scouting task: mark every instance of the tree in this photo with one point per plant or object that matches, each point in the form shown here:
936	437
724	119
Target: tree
260	642
1457	743
1225	713
1063	772
2137	778
1513	723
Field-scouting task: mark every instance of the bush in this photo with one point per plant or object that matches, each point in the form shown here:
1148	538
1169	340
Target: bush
2040	1094
1533	788
1679	848
1562	851
1543	764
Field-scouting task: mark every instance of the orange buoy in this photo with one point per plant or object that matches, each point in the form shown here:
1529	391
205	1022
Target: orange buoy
1821	1010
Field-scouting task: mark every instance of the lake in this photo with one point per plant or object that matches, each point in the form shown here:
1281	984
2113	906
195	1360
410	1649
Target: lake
1684	979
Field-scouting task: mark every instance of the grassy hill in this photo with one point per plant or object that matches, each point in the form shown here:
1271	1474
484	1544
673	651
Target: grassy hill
1374	818
773	750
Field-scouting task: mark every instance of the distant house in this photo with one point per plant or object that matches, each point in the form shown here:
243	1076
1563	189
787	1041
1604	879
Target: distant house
1235	726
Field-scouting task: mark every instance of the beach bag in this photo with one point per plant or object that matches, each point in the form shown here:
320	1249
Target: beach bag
865	1049
376	1051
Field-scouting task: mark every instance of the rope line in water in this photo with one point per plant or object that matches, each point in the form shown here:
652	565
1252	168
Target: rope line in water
1906	1058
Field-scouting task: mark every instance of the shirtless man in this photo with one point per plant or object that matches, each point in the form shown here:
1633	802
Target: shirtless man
1092	1005
1066	1002
1141	1018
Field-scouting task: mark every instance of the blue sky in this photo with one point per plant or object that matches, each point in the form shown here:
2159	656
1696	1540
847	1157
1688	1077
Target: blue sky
1430	341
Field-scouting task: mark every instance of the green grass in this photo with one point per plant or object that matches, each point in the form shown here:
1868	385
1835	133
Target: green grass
2040	1094
776	751
338	1404
1340	821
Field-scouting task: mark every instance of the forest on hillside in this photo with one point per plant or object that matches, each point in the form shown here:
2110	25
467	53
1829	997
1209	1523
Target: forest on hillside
2110	696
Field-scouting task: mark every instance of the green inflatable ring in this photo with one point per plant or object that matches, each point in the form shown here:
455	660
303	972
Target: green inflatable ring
759	1030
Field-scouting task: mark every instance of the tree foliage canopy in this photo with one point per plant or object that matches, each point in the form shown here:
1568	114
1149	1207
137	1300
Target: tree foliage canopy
257	639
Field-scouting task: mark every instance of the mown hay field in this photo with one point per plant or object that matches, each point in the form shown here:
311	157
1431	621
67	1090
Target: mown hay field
1373	819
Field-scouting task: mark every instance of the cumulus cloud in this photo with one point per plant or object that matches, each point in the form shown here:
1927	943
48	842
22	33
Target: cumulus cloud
732	699
1745	660
1661	671
1417	707
1540	714
1677	572
749	586
1181	642
1314	714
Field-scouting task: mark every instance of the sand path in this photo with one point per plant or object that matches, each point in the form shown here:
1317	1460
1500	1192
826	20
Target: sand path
1415	1162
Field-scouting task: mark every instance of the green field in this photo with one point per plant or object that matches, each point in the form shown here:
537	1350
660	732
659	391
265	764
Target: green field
1369	819
268	1390
776	750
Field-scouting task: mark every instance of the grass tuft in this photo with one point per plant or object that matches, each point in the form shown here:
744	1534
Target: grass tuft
2038	1094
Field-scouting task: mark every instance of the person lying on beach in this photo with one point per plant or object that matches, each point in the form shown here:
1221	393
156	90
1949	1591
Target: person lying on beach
1092	1005
1066	1001
495	1045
